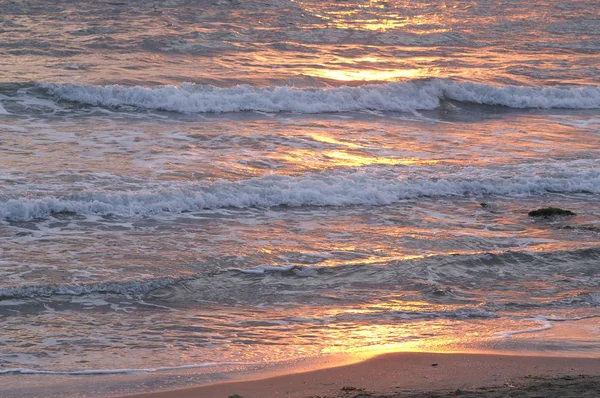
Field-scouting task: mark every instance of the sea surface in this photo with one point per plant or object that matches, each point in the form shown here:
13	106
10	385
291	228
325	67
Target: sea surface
191	190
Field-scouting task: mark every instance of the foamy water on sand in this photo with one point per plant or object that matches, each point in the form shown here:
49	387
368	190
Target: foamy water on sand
218	187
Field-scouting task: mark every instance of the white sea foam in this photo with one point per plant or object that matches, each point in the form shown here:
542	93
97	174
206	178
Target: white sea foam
336	189
582	97
114	371
403	96
546	324
263	269
3	111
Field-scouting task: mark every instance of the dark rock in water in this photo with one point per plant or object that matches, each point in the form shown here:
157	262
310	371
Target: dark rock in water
549	212
235	396
484	205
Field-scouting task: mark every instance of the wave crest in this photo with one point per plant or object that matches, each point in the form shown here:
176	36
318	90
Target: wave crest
339	189
401	97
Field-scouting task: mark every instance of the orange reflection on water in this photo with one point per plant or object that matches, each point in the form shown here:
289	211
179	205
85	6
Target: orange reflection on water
342	158
406	330
376	69
370	74
384	24
330	140
312	160
375	339
372	260
373	15
371	338
370	22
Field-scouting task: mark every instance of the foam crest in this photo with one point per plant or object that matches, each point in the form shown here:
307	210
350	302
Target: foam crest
401	96
26	371
265	269
546	324
2	110
567	97
339	189
191	98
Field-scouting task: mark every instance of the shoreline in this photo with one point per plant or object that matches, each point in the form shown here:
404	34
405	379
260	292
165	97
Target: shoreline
413	374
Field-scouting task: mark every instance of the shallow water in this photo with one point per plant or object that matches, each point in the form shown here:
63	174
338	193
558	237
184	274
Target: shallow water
233	185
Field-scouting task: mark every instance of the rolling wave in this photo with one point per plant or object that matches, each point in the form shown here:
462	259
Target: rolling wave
402	96
374	188
441	278
134	287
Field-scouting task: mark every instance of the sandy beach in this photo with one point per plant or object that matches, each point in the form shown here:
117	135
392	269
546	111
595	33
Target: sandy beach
421	375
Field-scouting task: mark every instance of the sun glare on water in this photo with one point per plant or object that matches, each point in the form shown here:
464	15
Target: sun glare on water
367	75
374	15
362	21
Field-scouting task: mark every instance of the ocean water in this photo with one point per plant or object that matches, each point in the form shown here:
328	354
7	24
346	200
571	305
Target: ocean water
191	191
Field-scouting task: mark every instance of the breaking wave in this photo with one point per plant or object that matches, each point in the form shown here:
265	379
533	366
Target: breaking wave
339	189
402	96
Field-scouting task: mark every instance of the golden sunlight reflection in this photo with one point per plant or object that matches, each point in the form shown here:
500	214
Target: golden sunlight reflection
370	74
386	338
441	336
370	68
342	158
372	260
405	330
330	140
374	16
395	22
337	158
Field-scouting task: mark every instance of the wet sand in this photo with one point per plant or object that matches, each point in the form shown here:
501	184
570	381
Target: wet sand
421	375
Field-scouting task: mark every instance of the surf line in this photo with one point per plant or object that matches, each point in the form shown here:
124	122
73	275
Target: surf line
546	323
25	371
